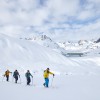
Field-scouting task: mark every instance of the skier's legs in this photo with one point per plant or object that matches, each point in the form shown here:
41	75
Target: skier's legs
28	80
16	79
46	82
7	78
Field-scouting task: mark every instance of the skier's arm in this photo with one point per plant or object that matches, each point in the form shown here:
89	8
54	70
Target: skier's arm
26	75
18	75
13	74
4	74
10	72
31	75
52	73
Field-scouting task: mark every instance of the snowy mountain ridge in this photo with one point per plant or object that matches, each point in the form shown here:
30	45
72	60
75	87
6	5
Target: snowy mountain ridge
84	46
22	53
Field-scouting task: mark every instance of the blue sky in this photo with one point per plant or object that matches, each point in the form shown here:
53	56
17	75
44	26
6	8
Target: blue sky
62	17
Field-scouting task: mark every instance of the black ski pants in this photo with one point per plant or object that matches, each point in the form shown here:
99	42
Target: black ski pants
28	80
16	79
7	77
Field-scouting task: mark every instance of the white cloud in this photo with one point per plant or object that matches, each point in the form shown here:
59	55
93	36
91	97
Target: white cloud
65	16
63	7
94	1
85	15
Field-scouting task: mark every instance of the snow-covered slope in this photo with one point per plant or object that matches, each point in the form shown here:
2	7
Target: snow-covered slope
17	52
23	54
64	87
43	40
76	78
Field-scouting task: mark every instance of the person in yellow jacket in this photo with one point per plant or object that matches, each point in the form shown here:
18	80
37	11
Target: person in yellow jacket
7	73
46	76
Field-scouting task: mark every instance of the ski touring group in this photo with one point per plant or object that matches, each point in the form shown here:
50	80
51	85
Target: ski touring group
29	76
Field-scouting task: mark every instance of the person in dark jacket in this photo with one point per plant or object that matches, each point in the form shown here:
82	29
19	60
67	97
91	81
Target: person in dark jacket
15	75
28	75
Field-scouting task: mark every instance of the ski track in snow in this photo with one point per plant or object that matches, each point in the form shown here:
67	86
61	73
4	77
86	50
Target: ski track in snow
69	87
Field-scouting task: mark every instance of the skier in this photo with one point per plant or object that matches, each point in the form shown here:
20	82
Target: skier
28	74
15	75
46	76
7	75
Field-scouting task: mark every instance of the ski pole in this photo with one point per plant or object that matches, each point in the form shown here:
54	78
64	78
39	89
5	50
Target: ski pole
3	78
20	80
32	80
52	81
12	78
